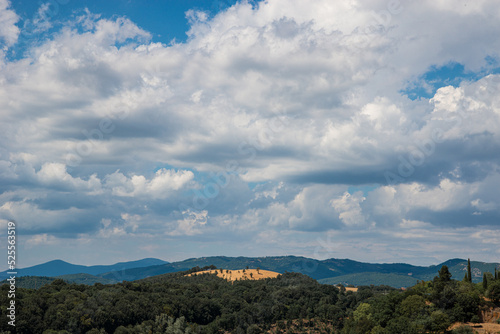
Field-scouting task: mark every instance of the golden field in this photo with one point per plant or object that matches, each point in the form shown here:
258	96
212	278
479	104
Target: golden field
238	275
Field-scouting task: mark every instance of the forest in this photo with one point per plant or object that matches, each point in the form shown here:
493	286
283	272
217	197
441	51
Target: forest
290	303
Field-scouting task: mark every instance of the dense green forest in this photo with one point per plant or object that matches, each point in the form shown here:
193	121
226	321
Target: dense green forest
35	282
291	303
358	279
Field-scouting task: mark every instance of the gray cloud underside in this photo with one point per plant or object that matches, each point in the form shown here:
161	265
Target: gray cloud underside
293	103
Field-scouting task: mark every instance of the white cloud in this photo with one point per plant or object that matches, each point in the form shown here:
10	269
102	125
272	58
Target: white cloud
9	32
129	224
55	175
35	219
160	186
233	81
349	208
305	96
41	21
191	224
40	239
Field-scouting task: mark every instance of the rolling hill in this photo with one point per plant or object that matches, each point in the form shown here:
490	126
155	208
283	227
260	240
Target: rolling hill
401	274
330	271
394	274
238	275
59	267
359	279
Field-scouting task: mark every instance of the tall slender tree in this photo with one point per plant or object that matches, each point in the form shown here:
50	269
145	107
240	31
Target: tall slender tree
469	271
485	282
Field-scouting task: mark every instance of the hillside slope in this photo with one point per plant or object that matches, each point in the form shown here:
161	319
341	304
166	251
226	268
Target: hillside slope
317	269
335	270
59	267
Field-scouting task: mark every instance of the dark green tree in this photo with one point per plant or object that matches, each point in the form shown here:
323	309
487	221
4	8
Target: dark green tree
469	271
412	307
444	274
493	291
402	325
485	282
439	321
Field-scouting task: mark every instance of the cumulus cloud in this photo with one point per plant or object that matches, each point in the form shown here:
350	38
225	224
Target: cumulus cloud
55	174
9	32
40	239
160	186
294	101
191	223
349	209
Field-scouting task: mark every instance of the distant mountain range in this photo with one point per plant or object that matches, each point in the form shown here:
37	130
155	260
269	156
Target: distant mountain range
59	267
331	271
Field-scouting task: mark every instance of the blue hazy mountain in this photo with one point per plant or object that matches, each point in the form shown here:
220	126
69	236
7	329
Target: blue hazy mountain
393	274
59	267
330	271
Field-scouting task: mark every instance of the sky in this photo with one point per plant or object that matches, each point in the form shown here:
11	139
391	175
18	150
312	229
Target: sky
173	129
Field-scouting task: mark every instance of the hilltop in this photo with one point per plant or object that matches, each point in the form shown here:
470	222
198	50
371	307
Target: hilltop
330	271
239	275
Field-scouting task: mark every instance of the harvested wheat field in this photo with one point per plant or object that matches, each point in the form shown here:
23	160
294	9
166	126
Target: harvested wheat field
347	288
481	328
238	275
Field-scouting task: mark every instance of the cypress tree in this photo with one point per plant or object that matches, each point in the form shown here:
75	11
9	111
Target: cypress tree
496	274
485	282
469	271
444	274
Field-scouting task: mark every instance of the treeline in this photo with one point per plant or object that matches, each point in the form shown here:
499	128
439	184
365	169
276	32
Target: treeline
428	307
197	304
290	303
31	282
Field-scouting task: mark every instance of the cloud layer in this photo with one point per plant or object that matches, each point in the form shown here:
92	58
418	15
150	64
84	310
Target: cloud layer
272	127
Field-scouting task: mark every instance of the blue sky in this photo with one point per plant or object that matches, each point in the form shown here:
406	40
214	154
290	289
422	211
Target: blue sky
165	20
182	129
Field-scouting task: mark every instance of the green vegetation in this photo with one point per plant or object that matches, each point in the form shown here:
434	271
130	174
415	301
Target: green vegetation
86	279
206	302
493	291
464	329
316	269
403	275
428	307
31	282
469	271
291	303
393	280
35	282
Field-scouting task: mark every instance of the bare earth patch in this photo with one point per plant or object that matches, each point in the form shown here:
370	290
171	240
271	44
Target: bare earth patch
482	328
238	275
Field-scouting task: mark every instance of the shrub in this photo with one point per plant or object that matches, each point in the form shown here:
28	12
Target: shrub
464	329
